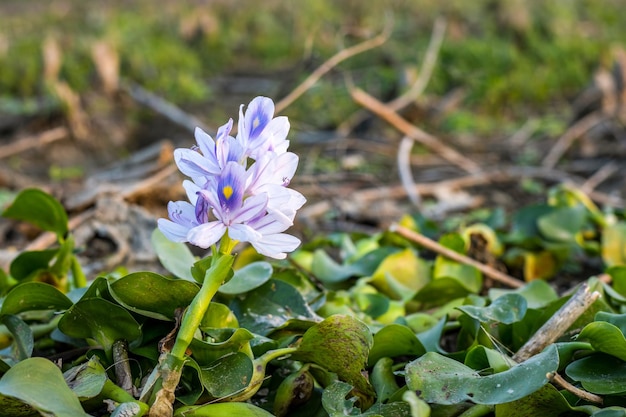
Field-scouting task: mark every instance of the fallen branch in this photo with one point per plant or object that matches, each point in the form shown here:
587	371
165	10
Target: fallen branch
455	256
552	329
418	86
558	323
158	104
330	64
582	394
412	131
567	139
34	142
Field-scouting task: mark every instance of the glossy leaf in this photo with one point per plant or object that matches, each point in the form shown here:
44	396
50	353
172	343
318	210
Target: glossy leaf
102	320
228	375
153	295
400	275
38	384
562	223
340	344
545	402
485	360
174	256
271	306
443	380
507	309
538	293
605	337
222	343
247	278
87	379
218	316
614	244
337	405
27	264
599	373
395	340
23	340
240	409
31	296
440	291
39	208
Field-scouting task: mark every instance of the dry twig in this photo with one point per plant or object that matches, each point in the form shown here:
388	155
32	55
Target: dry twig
418	86
330	64
558	323
412	131
551	330
158	104
455	256
34	142
567	139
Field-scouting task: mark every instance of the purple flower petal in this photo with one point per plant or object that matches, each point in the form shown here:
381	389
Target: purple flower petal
205	143
192	164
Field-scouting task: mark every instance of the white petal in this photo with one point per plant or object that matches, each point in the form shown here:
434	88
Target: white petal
252	207
243	233
173	231
276	245
206	234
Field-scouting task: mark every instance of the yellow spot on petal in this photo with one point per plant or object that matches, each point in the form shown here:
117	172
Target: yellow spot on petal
227	191
255	123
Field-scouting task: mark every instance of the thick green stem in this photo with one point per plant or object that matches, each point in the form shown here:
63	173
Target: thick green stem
79	280
194	314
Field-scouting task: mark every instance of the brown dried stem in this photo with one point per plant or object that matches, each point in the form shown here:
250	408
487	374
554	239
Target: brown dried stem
558	323
455	256
330	64
415	133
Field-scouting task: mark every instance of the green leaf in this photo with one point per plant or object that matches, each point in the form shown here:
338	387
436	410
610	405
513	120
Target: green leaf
507	309
218	316
153	295
545	402
86	379
271	306
26	264
440	291
239	409
538	293
101	320
401	275
605	337
599	373
562	224
395	340
41	209
340	344
614	244
227	375
31	296
39	383
484	359
336	405
23	340
224	342
443	380
248	278
328	271
174	256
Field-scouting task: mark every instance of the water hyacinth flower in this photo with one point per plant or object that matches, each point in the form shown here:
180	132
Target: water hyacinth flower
229	194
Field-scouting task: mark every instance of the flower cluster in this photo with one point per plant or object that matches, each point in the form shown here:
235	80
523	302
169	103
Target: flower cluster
239	186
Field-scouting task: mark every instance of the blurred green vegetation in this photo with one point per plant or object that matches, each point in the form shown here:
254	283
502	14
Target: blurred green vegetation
512	58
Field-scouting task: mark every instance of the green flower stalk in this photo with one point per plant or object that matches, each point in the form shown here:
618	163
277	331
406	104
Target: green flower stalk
238	193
